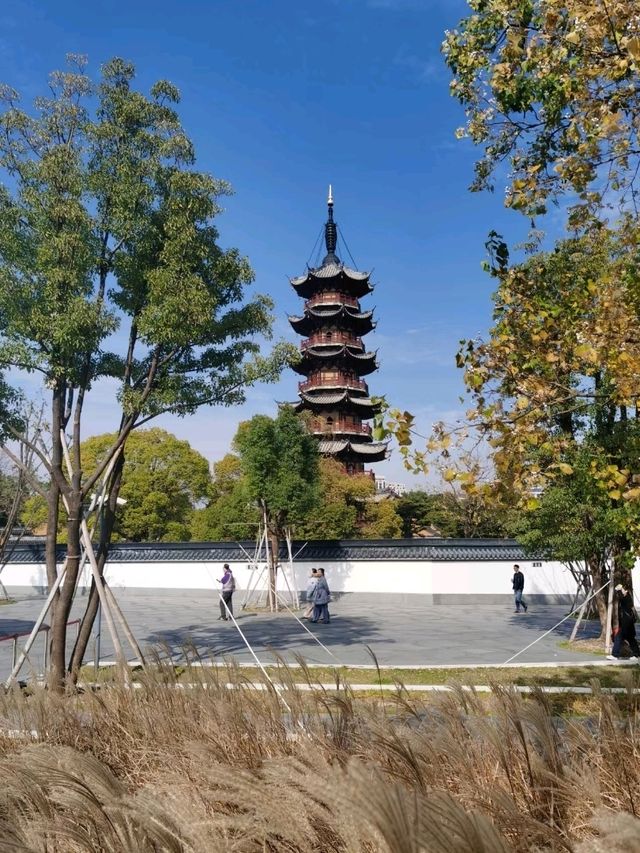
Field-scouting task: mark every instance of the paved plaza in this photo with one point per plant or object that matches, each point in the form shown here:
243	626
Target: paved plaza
400	629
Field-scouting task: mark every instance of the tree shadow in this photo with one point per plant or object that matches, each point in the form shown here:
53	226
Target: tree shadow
539	621
268	635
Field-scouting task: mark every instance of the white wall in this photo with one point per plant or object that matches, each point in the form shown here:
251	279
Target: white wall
418	577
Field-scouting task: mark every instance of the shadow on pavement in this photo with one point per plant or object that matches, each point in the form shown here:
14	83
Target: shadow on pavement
539	622
268	633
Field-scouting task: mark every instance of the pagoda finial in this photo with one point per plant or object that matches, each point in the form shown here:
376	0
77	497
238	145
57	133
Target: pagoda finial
330	232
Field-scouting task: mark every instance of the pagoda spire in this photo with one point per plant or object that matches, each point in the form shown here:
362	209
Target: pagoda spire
330	233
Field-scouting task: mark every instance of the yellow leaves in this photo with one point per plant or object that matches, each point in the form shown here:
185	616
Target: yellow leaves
633	48
632	494
564	468
609	122
587	353
532	504
573	37
620	477
522	403
449	475
615	494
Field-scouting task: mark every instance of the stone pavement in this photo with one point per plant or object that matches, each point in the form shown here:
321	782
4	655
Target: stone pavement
400	629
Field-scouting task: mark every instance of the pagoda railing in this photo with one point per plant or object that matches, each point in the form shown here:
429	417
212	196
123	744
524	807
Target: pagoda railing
332	380
331	338
332	297
339	426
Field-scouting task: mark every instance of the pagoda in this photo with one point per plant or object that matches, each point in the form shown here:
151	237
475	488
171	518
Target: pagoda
334	359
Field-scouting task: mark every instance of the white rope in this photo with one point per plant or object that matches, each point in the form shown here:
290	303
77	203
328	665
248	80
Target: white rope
318	641
254	655
542	636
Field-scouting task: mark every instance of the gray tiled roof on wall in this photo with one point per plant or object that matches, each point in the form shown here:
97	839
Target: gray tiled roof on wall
400	550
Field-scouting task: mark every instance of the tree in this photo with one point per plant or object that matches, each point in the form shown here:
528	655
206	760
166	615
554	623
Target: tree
280	461
576	523
162	483
230	514
453	513
105	224
555	385
348	509
380	521
340	508
552	86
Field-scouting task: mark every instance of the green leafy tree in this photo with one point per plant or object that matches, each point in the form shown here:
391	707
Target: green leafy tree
381	520
163	482
340	508
105	225
280	462
576	522
230	514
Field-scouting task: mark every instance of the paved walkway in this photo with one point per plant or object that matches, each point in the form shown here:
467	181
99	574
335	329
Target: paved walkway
400	629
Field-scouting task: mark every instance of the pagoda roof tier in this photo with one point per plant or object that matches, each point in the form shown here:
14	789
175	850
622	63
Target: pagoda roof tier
314	318
362	363
335	275
374	451
364	406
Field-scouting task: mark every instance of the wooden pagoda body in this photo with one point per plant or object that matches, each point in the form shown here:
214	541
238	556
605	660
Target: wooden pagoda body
334	359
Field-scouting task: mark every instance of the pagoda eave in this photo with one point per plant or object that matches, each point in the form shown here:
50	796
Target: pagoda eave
332	275
346	450
364	406
361	363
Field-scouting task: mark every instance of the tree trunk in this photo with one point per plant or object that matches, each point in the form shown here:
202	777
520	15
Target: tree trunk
274	551
65	600
106	531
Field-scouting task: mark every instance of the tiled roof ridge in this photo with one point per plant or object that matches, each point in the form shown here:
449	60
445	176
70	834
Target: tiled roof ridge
405	550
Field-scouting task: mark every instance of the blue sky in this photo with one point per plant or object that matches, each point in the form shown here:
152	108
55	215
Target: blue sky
282	98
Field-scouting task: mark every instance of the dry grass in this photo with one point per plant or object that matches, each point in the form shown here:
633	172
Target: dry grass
205	769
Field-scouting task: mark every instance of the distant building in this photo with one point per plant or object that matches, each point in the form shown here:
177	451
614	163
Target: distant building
387	488
334	358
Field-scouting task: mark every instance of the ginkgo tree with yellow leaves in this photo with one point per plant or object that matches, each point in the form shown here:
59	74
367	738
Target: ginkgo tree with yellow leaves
551	87
557	379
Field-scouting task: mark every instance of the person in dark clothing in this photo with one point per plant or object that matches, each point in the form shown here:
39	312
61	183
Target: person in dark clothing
626	625
228	588
518	588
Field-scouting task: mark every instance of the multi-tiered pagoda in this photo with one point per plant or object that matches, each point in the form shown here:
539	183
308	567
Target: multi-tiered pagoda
334	358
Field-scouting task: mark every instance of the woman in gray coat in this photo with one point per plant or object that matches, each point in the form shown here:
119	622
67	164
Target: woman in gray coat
321	599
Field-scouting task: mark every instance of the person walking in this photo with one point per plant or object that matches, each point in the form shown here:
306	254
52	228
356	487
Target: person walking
228	588
321	599
313	580
627	617
518	588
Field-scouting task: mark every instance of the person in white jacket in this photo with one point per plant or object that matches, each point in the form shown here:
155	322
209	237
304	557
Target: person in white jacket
311	587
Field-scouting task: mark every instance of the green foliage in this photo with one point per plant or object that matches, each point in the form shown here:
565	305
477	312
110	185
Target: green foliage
347	509
164	483
381	521
164	480
452	514
100	188
231	514
280	461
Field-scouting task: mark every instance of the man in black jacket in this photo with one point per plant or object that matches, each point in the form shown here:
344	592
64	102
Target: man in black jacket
626	624
518	587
